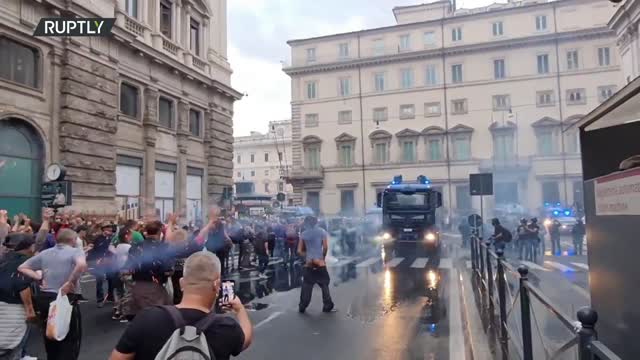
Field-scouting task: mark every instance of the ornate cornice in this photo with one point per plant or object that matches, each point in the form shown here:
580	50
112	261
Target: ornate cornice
493	46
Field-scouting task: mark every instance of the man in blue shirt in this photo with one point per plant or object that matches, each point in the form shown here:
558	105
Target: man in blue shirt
313	247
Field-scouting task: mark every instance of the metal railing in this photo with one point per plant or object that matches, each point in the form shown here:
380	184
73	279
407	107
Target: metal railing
514	333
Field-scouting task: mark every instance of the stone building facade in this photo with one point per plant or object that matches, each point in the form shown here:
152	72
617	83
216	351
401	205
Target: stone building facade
141	120
448	92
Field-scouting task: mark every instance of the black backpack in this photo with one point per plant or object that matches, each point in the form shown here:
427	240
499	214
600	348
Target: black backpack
506	235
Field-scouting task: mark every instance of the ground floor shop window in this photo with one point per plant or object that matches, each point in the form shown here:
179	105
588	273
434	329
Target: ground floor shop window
128	191
194	196
165	193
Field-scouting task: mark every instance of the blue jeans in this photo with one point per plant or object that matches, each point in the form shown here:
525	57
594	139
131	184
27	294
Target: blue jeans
263	262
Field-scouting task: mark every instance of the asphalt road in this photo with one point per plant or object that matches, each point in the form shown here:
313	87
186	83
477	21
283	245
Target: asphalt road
384	311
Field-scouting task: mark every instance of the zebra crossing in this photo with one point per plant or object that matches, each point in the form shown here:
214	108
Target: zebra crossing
414	263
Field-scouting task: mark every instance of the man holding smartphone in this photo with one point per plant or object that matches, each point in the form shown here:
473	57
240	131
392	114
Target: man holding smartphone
147	334
313	247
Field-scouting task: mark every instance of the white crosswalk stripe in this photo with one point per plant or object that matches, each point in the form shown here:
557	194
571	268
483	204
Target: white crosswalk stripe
419	263
445	263
535	266
580	265
394	262
559	266
369	262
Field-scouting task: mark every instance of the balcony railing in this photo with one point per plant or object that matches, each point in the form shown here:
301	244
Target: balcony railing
510	163
169	46
308	173
198	63
133	26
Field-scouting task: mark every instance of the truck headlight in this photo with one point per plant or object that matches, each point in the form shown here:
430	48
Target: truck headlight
430	237
386	236
547	222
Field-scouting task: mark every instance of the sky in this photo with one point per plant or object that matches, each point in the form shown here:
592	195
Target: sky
258	35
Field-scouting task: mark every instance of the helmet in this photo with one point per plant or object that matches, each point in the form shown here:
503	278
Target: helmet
523	220
534	220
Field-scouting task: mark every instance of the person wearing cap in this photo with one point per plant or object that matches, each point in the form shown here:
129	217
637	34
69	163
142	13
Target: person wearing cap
99	258
15	297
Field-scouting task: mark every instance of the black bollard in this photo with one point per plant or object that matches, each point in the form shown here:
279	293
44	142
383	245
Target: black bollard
525	305
502	298
587	333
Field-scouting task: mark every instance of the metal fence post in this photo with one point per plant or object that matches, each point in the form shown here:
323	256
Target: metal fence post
587	333
502	297
525	305
472	243
489	274
481	255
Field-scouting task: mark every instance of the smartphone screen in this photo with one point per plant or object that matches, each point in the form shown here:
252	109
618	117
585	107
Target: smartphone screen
228	293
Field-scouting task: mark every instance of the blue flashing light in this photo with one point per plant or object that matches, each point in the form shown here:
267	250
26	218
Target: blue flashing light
423	180
397	180
432	327
557	204
556	212
567	213
547	204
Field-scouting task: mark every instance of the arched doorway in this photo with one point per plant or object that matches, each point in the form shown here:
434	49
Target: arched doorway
21	167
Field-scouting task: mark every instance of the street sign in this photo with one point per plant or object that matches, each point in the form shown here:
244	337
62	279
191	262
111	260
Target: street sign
56	194
475	220
280	197
481	184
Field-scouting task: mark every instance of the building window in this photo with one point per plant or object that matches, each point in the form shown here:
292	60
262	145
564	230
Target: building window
195	122
543	64
456	34
266	188
128	190
346	155
165	112
19	63
429	39
164	193
408	151
238	174
253	158
503	145
541	22
166	18
406	78
344	117
462	147
434	148
129	96
311	55
238	159
497	28
550	192
405	42
266	173
501	102
380	114
545	142
194	45
407	111
312	90
279	156
544	98
456	73
381	153
576	97
498	69
432	75
312	158
343	51
132	8
344	86
432	109
253	173
378	79
605	92
459	106
572	60
194	198
266	157
378	47
506	193
463	197
311	120
573	141
604	57
347	202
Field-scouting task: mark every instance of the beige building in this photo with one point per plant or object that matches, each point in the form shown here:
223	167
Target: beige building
141	120
449	93
262	161
626	23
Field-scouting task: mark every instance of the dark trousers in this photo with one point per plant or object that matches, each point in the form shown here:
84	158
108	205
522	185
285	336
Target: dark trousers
272	246
577	244
555	244
310	277
263	262
69	348
222	255
175	281
102	274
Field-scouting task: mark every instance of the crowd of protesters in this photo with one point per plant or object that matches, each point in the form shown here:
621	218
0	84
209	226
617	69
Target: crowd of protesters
137	265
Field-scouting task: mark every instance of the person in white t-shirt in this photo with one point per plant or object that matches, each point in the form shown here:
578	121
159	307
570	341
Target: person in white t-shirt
123	286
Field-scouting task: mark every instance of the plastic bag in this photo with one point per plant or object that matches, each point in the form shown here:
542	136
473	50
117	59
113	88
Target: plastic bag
59	318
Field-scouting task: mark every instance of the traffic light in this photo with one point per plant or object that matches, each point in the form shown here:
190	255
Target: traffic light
280	197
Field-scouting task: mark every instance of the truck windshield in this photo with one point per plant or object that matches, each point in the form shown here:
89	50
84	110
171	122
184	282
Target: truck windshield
398	199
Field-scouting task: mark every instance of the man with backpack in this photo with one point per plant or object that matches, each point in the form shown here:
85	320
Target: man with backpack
501	236
189	330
